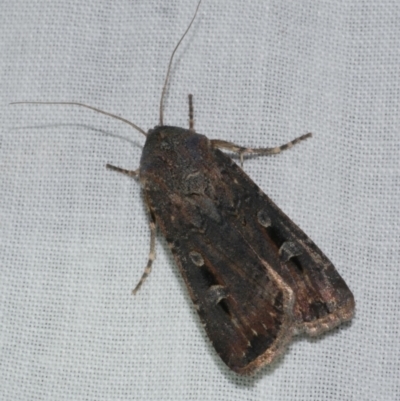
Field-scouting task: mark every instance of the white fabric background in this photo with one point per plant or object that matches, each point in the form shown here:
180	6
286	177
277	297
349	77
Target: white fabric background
75	236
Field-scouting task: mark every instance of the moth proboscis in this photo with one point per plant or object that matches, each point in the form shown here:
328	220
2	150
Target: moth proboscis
254	277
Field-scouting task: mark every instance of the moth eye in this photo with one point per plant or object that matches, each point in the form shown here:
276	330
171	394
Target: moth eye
288	250
196	258
263	218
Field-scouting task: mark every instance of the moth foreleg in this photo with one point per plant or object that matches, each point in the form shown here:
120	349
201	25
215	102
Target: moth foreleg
152	254
191	119
260	151
130	173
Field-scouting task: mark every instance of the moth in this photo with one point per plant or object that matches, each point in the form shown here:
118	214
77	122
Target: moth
254	277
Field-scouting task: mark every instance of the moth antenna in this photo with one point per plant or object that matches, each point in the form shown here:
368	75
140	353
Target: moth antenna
91	108
170	63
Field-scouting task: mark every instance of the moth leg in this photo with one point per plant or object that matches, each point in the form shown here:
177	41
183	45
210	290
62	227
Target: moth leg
191	119
260	151
130	173
152	254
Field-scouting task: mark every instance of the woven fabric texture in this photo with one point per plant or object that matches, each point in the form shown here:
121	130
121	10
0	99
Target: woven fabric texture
74	236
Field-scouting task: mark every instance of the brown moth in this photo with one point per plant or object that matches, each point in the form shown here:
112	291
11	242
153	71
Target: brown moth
254	277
